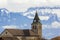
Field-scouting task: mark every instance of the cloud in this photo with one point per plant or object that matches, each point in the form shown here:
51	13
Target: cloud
43	17
3	3
55	24
21	5
31	15
56	12
19	1
9	27
44	14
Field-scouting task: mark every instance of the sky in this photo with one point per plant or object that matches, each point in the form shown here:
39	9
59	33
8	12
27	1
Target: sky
19	14
21	5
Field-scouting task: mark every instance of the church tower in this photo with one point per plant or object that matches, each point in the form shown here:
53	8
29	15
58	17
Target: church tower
37	26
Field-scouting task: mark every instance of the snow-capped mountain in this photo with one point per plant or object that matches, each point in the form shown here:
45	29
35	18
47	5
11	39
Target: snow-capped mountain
45	15
48	17
4	11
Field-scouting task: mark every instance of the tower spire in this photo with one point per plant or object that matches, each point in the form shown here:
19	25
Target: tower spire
36	18
37	26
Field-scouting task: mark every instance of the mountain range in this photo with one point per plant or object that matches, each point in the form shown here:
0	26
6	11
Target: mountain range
23	20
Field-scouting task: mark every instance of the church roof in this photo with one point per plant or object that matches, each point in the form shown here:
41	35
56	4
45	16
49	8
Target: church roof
18	32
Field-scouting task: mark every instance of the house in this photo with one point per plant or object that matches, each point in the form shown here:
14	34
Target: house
35	33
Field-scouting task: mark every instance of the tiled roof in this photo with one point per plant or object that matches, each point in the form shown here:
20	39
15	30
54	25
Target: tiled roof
18	32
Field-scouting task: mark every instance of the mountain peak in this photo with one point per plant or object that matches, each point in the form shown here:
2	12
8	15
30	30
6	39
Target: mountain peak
4	10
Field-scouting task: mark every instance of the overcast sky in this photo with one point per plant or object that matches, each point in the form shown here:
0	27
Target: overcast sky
22	5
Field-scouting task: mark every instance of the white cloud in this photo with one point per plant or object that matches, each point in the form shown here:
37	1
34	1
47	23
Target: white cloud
28	14
56	11
3	3
46	13
25	14
43	17
19	1
30	17
53	25
9	27
21	5
54	2
53	11
56	24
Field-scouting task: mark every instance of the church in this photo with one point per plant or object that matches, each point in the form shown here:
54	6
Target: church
35	33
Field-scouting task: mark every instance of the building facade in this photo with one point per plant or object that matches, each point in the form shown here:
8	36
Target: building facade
35	33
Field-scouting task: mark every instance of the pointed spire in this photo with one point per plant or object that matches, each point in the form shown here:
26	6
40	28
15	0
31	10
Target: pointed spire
36	18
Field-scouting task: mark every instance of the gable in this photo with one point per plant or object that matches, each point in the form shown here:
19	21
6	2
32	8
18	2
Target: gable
6	33
17	32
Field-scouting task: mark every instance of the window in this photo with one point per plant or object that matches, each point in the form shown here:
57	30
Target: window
34	20
6	32
35	27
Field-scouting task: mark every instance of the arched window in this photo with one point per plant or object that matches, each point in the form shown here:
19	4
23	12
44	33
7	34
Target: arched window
6	32
35	27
